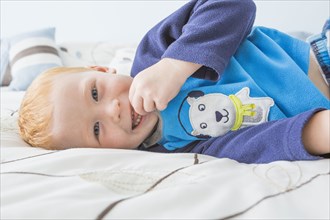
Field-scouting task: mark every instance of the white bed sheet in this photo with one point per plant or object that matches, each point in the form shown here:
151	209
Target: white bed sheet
116	184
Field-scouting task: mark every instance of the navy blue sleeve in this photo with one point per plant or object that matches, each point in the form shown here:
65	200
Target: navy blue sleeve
203	32
267	142
270	141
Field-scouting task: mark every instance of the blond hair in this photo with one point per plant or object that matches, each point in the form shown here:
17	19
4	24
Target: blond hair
36	110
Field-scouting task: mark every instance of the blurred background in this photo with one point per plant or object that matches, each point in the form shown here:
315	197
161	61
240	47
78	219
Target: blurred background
127	21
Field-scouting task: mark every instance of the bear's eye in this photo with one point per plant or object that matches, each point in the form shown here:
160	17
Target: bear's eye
201	107
203	125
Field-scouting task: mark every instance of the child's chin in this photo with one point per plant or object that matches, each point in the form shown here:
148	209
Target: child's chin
149	122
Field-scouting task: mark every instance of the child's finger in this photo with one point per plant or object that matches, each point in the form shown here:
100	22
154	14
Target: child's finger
149	105
137	104
131	93
161	105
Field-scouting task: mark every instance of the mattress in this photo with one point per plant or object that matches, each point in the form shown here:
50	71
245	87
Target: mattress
131	184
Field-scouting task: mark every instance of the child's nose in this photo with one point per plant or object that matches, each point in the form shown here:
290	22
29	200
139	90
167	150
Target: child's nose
112	110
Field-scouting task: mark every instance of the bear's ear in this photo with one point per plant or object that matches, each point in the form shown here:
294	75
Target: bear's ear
190	101
195	133
195	94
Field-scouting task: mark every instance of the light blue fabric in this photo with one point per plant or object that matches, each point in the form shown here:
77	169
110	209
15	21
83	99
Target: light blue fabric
27	75
4	60
45	32
321	48
270	64
23	77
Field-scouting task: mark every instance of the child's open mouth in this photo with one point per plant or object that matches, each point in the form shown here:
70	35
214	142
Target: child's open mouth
136	119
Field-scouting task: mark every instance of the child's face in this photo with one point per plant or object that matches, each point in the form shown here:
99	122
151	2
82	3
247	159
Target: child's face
92	109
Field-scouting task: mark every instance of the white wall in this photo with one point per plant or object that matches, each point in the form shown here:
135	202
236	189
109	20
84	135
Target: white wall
118	21
293	15
127	21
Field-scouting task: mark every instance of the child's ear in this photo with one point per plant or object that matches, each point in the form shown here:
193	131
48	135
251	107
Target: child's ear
103	69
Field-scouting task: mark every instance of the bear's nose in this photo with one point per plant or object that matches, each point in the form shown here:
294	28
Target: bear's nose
218	116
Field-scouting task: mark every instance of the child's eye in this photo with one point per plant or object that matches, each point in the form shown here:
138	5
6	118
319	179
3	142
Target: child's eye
95	94
96	129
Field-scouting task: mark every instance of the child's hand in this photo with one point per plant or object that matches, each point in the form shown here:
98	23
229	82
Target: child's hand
154	87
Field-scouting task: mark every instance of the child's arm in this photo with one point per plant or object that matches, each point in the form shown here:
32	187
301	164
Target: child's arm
302	137
286	139
201	32
316	134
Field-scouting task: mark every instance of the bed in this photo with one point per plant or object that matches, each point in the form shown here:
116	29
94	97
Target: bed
131	184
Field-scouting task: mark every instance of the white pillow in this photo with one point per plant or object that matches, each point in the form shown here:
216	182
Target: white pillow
88	53
123	60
